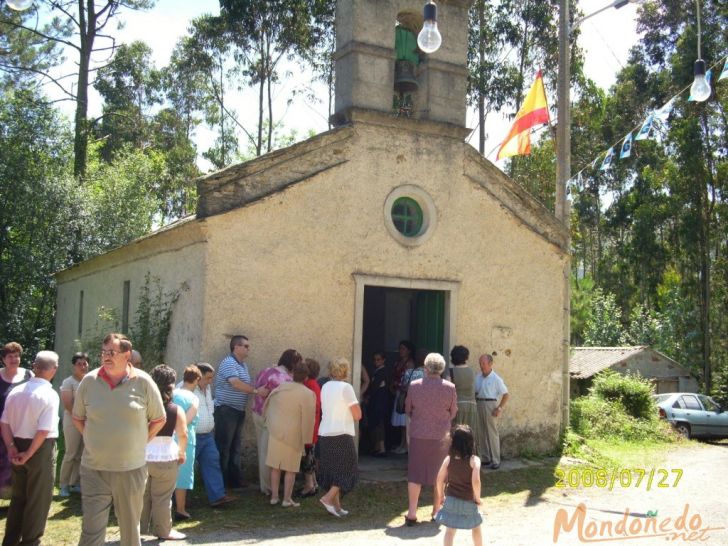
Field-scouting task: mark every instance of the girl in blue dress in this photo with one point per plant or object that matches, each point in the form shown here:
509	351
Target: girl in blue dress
185	398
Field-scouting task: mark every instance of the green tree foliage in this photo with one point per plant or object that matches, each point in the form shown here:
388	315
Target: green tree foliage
26	54
40	207
582	296
653	230
507	42
320	57
130	87
266	32
121	199
604	325
83	28
140	113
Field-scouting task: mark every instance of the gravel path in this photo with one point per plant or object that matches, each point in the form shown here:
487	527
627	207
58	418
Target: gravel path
524	521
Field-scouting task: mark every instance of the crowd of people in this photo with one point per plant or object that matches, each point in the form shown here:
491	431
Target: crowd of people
133	440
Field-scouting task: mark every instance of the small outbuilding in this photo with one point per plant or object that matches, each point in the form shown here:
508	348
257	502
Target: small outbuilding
666	374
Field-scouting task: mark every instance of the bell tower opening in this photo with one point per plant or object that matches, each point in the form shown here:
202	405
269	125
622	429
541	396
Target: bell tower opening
373	67
406	62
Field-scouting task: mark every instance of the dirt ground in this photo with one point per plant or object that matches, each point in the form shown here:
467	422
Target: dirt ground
529	520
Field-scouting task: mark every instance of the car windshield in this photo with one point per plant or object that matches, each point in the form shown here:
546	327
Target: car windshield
660	398
708	403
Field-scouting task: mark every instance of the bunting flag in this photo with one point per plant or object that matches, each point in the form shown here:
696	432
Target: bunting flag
724	72
626	147
607	160
708	77
644	131
594	163
663	113
533	112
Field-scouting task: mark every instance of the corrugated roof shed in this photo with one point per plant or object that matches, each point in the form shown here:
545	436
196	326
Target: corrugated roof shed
586	361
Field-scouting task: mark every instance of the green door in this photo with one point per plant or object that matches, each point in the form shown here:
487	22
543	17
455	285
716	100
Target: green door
430	320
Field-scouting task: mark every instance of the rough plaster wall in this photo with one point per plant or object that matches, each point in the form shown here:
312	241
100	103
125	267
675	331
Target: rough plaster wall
176	257
280	271
652	365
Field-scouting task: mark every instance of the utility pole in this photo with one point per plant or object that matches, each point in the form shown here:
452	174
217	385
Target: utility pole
563	173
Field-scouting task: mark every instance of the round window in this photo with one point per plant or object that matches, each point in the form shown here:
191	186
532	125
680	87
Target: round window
407	216
410	215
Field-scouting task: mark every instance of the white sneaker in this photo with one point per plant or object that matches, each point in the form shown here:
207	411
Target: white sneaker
64	492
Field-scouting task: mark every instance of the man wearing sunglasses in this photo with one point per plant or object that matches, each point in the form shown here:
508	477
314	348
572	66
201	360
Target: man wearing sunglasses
232	388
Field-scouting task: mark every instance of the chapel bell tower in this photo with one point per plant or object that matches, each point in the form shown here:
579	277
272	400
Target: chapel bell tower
379	67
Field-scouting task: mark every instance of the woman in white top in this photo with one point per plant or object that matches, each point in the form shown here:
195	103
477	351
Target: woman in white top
337	470
71	465
164	454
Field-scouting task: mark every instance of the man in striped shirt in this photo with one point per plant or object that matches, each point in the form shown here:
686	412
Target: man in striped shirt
232	387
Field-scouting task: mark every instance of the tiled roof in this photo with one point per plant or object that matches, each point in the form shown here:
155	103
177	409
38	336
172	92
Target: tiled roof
587	361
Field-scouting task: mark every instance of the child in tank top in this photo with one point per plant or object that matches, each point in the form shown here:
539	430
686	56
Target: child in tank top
457	491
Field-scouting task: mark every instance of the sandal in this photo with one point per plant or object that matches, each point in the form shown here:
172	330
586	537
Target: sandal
310	493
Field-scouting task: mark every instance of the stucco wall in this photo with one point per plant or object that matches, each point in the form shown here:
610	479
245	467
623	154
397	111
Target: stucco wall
280	270
652	365
175	256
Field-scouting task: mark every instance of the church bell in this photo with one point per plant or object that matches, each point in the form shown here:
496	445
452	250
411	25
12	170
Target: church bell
405	80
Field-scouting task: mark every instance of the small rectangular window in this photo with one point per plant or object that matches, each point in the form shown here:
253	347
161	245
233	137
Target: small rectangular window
125	308
80	314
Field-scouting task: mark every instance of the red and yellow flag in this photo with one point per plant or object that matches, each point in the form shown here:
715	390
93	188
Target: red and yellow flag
534	111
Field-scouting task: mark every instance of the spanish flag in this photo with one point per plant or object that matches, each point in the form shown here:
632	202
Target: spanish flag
534	111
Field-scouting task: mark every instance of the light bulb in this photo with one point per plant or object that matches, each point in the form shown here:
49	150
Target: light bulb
19	5
700	90
429	38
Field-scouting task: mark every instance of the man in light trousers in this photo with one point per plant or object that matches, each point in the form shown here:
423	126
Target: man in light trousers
491	396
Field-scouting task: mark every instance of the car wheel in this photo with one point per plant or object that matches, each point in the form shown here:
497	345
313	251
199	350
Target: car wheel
683	429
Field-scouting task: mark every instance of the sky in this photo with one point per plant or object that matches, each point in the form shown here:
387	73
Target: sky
606	39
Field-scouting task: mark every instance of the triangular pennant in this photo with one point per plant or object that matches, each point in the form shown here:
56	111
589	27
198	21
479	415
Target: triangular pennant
724	72
607	160
663	113
644	131
626	147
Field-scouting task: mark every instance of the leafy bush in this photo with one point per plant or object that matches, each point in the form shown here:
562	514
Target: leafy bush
595	417
633	392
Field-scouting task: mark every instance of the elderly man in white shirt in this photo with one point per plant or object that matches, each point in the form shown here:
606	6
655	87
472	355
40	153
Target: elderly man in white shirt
29	429
491	395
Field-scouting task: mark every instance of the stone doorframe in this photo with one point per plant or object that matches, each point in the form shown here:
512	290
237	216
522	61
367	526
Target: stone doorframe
450	288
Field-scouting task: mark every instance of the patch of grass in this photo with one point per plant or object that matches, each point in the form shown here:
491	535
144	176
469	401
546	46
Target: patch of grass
372	505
